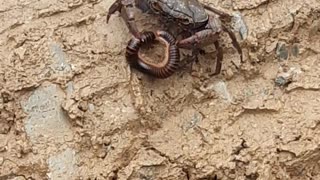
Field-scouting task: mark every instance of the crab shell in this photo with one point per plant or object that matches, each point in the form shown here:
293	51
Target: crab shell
184	12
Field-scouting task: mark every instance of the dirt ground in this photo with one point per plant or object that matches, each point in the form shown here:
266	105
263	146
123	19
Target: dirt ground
71	107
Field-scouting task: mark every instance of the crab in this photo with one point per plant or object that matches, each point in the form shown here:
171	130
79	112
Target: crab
197	28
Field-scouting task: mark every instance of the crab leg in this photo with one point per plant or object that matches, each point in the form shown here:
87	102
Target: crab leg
219	58
200	38
126	9
216	11
235	43
116	6
191	58
196	41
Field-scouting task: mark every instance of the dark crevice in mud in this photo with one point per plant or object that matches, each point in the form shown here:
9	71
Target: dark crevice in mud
257	112
242	146
115	174
253	176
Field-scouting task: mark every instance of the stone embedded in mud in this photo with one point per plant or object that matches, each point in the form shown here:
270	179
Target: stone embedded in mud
286	77
91	107
46	119
101	153
282	51
295	50
281	81
70	88
62	165
221	89
60	58
240	25
195	119
47	124
271	46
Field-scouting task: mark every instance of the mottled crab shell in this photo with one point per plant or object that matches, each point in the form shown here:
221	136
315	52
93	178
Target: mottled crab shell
185	11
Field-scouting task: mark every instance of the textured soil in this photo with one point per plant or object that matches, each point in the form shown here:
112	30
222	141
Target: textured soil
72	108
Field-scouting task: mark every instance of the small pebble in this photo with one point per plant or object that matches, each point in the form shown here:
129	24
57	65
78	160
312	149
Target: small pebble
229	74
83	106
285	78
281	81
68	138
106	141
221	89
271	46
91	107
102	153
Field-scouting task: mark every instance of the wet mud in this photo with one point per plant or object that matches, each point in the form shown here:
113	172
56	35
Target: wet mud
72	108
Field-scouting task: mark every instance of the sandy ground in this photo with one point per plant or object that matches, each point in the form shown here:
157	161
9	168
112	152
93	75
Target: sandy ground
71	108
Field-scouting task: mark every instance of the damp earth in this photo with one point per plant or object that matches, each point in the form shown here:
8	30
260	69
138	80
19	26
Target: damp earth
72	108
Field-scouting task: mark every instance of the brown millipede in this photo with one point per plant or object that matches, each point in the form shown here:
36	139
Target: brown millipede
161	70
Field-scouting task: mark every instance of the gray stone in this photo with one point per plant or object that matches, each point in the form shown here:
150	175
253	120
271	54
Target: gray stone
281	81
91	107
287	77
221	89
240	25
70	88
62	165
282	51
295	50
60	58
46	121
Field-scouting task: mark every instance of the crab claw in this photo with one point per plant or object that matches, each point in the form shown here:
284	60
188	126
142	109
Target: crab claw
116	6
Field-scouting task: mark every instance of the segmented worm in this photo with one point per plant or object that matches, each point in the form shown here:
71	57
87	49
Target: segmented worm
161	70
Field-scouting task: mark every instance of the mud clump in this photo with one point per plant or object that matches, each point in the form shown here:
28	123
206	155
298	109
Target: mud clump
72	108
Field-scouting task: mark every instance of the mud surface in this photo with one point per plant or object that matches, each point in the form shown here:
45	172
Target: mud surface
71	108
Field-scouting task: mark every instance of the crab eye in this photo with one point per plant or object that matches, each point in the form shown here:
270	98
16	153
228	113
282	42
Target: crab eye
156	6
185	21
